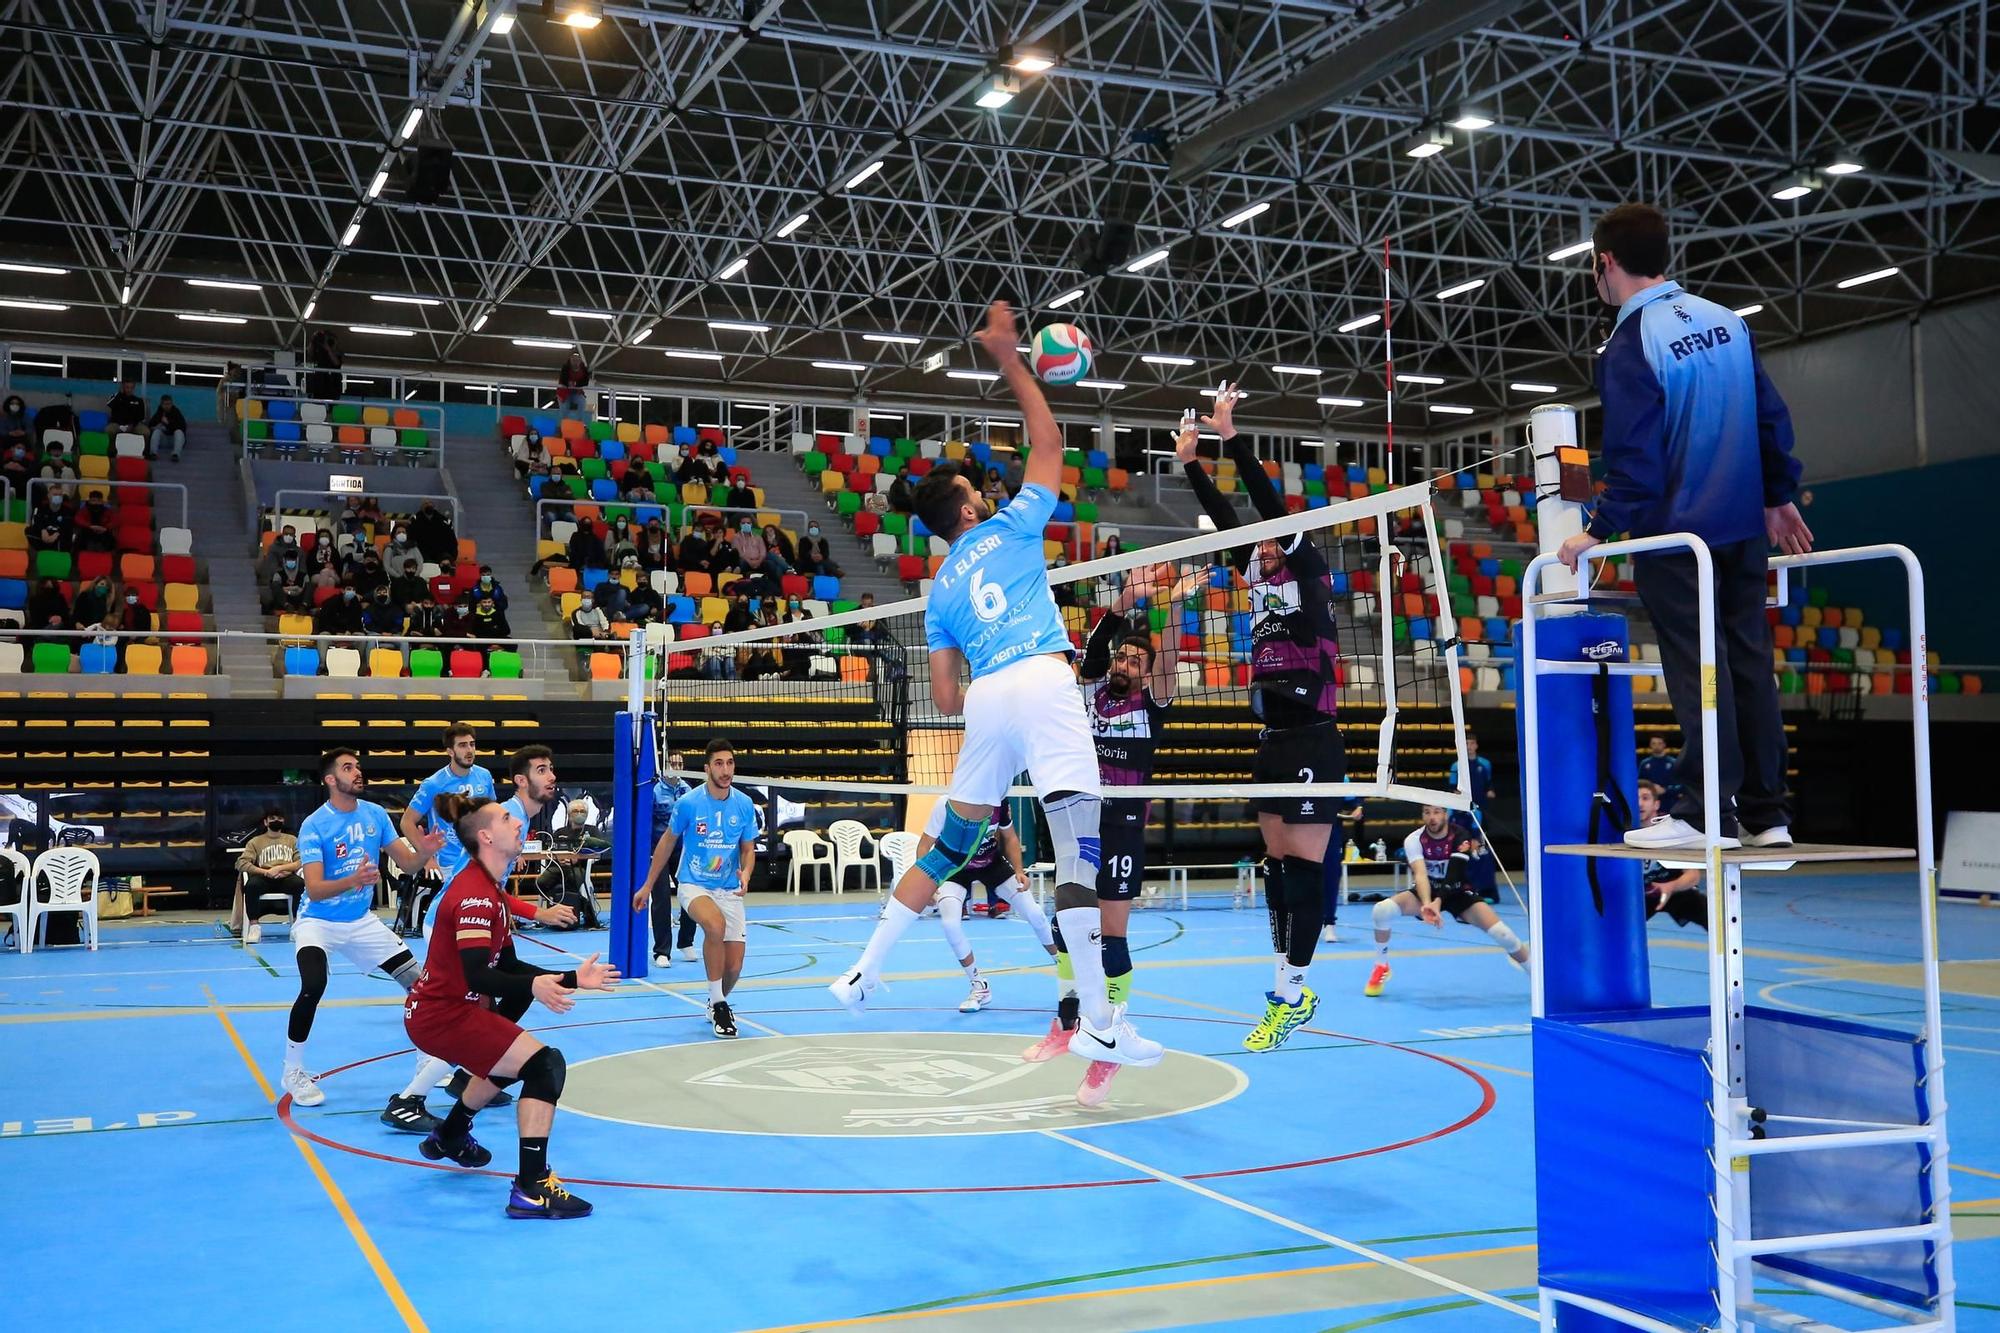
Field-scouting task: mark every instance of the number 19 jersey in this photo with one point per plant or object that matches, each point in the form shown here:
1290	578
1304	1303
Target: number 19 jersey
991	598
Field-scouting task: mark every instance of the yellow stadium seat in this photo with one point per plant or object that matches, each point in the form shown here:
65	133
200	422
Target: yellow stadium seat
831	482
956	450
295	625
570	601
694	495
250	409
13	536
93	467
628	432
385	662
142	659
545	549
374	416
181	596
713	609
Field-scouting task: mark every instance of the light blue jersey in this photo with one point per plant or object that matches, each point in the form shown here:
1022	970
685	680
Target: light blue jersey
991	599
512	805
451	857
712	834
340	843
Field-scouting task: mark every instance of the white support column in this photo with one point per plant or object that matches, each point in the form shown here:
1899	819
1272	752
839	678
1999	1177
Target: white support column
1551	427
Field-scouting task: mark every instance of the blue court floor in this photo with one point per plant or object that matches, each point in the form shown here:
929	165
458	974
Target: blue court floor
899	1171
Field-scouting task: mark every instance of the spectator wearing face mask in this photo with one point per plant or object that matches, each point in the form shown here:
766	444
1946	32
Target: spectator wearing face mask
815	556
282	547
642	604
400	547
15	428
339	614
758	562
52	528
93	520
368	574
132	617
428	620
488	586
323	552
384	617
17	463
48	607
93	599
487	621
290	589
586	549
588	621
56	464
270	872
408	587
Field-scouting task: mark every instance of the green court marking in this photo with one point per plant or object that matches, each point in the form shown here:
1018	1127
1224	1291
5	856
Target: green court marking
1193	1263
1394	1315
260	960
1179	930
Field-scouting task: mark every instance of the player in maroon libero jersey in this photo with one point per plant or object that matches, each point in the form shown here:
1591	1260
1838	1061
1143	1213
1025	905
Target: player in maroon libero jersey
464	1007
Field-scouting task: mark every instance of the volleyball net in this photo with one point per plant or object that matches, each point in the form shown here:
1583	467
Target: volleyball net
840	704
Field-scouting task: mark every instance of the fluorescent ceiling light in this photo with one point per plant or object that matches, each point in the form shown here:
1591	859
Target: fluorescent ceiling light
1460	289
1099	384
44	270
1876	276
1146	260
125	294
689	354
225	285
561	312
1529	386
1030	63
199	319
734	267
1361	323
1340	402
353	230
792	224
1443	409
708	425
1791	192
1162	359
1428	143
480	323
550	343
1068	296
902	339
375	186
1570	251
1000	421
382	329
839	365
404	300
1420	379
760	407
874	415
972	374
738	326
502	25
13	303
1843	164
1471	119
1310	439
583	15
1243	215
1295	370
408	396
479	388
863	174
411	121
1424	149
311	306
1798	186
1210	393
1024	349
1746	311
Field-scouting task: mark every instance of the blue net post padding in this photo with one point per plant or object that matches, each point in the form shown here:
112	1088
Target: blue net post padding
1603	954
632	773
1622	1132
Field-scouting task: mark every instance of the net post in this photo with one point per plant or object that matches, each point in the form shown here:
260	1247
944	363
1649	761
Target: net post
632	771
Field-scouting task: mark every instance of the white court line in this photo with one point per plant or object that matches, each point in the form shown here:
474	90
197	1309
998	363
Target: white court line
1325	1238
649	984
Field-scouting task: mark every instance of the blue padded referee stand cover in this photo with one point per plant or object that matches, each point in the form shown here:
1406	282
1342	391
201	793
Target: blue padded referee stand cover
633	761
1602	965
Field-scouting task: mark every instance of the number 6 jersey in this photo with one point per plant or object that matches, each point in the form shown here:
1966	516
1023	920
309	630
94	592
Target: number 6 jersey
991	598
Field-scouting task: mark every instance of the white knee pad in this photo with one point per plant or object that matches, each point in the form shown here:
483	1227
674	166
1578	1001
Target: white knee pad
951	915
1073	828
1385	912
1505	938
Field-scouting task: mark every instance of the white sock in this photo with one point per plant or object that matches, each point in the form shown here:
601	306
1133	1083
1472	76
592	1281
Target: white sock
971	972
1023	905
895	919
1083	928
1291	982
429	1070
295	1055
1382	950
715	990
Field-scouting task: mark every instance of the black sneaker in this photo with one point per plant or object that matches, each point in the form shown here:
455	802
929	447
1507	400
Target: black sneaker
467	1153
410	1115
461	1080
723	1018
548	1199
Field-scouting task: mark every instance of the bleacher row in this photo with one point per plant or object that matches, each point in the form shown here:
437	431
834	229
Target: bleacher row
305	659
322	428
159	569
99	455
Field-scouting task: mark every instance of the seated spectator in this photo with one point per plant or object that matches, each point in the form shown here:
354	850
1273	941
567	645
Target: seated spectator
760	564
718	662
488	621
290	589
351	523
428	620
588	621
285	546
586	549
384	616
642	604
697	553
93	599
324	553
15	428
326	576
741	494
166	429
52	528
534	457
655	551
93	520
133	617
1112	545
409	588
611	596
797	648
638	487
368	574
702	466
400	548
815	556
17	464
370	510
621	547
271	872
127	409
488	586
757	661
106	632
739	617
781	546
48	606
339	614
57	464
434	535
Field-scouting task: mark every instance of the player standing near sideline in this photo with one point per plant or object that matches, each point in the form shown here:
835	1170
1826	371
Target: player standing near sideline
991	612
996	865
340	855
1294	649
716	828
462	774
458	1012
1439	852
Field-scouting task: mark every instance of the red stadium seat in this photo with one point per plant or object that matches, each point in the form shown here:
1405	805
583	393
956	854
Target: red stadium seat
867	524
911	568
467	663
173	568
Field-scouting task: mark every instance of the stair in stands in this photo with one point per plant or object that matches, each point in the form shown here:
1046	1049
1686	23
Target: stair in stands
785	487
497	514
223	537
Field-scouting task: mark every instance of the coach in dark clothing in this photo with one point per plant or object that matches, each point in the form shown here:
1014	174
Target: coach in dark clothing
1696	439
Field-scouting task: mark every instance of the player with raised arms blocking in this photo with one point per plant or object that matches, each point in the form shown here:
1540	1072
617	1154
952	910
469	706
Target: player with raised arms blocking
1439	852
991	612
995	865
460	1010
1293	690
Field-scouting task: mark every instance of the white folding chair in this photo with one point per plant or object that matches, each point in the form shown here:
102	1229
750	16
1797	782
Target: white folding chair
71	874
853	850
900	849
253	897
809	852
14	866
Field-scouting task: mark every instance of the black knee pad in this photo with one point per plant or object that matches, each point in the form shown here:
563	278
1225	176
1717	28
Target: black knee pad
1074	895
543	1075
1305	906
312	973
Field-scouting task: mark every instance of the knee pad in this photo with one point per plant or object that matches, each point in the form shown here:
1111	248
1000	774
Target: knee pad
1504	937
1117	956
1304	882
1385	912
955	844
312	973
543	1075
950	901
1073	828
404	970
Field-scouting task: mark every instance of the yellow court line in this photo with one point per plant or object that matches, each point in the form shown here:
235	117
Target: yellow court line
397	1296
1155	1289
1974	1203
1975	1171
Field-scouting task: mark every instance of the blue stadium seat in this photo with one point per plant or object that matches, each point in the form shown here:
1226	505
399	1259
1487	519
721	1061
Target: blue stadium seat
684	436
287	432
727	453
1097	458
1313	472
302	661
917	528
1499	631
13	594
610	451
591	577
604	489
825	587
1340	581
1315	502
281	409
1797	655
1829	638
99	659
982	452
1490	567
680	609
1239	625
881	446
535	485
543	426
1893	639
93	420
643	514
1792	613
1420	628
1357	473
1065	512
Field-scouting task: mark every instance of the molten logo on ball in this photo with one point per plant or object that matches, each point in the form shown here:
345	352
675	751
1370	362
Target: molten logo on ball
1062	354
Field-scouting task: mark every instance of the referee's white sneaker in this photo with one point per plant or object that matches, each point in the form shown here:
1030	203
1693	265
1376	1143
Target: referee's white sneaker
1119	1044
663	960
1671	832
853	992
304	1091
1778	835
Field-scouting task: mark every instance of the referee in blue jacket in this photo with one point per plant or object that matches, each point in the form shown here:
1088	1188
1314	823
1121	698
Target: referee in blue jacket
1696	439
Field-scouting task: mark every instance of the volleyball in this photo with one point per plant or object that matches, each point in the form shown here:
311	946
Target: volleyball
1062	354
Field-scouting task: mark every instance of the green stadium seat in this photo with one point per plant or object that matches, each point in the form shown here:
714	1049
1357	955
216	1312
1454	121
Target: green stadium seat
896	524
1316	488
813	463
343	414
1086	511
427	662
415	438
1074	458
503	665
99	443
844	604
848	503
252	430
1095	479
579	487
836	635
603	430
593	469
51	658
53	564
658	472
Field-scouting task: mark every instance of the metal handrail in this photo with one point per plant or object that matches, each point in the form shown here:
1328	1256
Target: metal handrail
662	505
83	484
277	500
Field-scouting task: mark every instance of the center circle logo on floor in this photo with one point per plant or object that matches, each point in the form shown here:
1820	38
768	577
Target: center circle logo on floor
878	1085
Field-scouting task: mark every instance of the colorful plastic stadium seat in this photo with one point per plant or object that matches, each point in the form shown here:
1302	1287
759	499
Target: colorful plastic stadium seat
606	666
52	564
95	659
427	663
188	659
385	662
301	661
142	659
467	663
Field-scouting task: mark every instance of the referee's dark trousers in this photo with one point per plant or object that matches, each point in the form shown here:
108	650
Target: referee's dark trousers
1749	730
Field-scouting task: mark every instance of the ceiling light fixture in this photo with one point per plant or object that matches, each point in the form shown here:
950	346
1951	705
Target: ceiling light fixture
1068	296
1419	379
690	354
1846	162
353	230
1529	386
375	186
1242	216
1099	384
125	294
1340	402
1570	251
642	335
738	326
44	270
734	267
1471	118
387	299
1798	186
311	306
503	24
382	330
999	92
1162	359
550	344
1443	409
1146	260
981	375
900	339
411	121
225	285
1210	393
563	312
1460	289
205	319
480	323
1295	370
839	365
1029	62
14	303
796	221
1428	143
1745	311
863	174
1361	323
1876	276
583	15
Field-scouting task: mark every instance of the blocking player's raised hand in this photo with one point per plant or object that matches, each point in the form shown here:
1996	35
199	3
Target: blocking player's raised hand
1223	420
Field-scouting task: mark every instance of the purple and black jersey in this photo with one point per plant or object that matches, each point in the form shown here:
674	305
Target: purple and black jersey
1127	730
